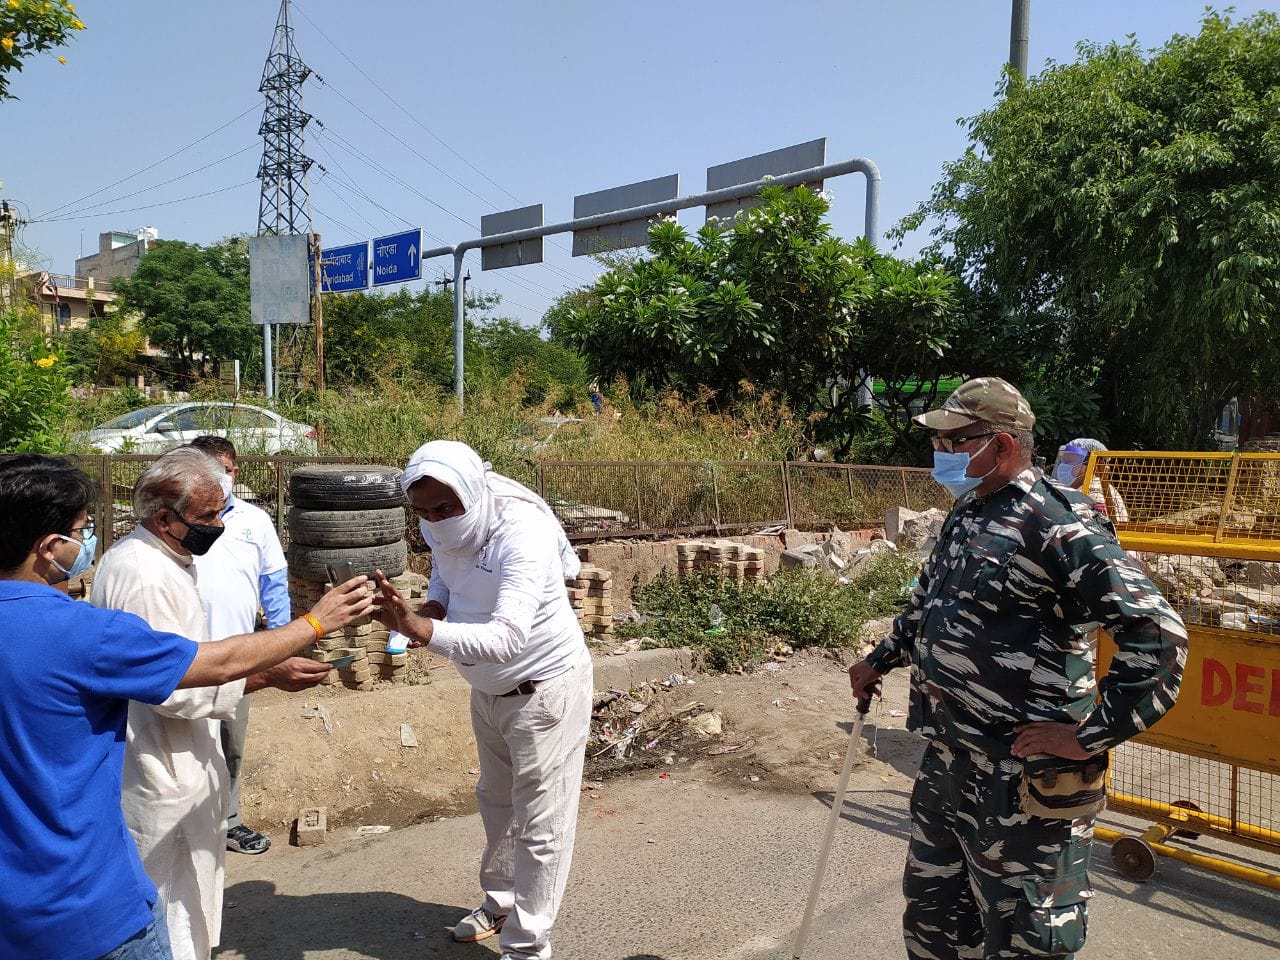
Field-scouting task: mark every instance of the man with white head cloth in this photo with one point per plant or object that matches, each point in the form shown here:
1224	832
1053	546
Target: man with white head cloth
497	607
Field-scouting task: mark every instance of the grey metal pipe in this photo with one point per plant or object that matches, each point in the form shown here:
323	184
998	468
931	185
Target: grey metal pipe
268	373
857	165
871	228
459	316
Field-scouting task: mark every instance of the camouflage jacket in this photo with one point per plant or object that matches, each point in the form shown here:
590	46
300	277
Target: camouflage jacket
1000	628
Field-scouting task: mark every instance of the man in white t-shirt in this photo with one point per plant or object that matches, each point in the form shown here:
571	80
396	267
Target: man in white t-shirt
244	570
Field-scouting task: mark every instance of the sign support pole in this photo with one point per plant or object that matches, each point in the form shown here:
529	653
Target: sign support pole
318	303
459	315
268	368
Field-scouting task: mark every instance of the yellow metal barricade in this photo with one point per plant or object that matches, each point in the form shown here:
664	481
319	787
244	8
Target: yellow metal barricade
1207	526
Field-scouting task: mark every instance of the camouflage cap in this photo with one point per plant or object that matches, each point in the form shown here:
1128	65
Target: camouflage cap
987	399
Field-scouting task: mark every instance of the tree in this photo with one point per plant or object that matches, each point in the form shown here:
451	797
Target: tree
1125	210
28	27
410	335
774	302
500	348
105	351
396	335
33	391
193	301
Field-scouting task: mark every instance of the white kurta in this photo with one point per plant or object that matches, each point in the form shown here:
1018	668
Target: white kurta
174	782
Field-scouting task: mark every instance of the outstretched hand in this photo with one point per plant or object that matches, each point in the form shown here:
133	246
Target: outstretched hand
296	673
344	603
390	608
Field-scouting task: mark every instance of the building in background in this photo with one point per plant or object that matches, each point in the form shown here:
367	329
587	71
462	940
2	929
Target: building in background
65	303
118	254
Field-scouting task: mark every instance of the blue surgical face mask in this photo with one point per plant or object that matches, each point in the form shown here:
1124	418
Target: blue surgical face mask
1065	474
950	470
84	559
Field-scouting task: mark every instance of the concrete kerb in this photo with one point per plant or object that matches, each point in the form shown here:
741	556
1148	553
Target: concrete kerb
633	668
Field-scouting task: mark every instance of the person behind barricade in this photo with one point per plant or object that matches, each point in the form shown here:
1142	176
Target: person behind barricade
999	636
244	569
72	885
174	778
1069	470
498	608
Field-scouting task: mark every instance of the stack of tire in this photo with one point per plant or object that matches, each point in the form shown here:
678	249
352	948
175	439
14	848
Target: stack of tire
353	513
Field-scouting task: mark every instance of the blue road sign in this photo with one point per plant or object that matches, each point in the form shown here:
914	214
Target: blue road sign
396	258
344	268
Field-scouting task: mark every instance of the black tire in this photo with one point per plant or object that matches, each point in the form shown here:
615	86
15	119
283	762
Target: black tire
308	563
346	528
345	486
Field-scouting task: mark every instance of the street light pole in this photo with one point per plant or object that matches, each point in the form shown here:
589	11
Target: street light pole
1019	36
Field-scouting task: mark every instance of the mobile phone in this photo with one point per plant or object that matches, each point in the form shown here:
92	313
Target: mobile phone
340	571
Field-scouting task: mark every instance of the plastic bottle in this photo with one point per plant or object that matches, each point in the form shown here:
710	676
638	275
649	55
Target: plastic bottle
716	618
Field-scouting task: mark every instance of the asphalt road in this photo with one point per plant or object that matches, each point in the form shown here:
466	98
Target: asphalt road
688	867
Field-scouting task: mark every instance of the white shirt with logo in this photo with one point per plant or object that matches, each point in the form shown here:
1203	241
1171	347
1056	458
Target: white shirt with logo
508	613
248	549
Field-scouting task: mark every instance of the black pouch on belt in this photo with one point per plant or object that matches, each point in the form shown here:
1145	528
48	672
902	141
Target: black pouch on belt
1060	789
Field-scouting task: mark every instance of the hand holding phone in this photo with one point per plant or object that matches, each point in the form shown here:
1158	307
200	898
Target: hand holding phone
340	571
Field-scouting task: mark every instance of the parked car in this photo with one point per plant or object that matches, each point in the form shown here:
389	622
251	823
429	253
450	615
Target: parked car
159	427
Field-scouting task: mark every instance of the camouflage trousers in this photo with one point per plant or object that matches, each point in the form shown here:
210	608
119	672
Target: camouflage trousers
983	879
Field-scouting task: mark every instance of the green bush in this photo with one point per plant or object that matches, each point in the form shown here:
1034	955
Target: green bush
802	608
33	391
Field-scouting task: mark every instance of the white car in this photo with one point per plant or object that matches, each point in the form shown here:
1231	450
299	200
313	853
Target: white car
153	429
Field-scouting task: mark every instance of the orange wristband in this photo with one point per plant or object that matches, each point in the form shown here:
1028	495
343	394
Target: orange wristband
315	625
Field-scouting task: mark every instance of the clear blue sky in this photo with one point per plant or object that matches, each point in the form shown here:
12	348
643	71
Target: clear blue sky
501	104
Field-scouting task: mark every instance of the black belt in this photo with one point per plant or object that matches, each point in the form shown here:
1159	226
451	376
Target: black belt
523	690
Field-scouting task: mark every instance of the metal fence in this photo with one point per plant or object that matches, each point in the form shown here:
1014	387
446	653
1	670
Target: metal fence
596	500
1207	527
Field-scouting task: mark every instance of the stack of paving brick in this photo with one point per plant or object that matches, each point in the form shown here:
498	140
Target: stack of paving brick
365	639
727	558
591	596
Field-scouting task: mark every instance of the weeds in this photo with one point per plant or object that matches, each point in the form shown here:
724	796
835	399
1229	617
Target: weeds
802	608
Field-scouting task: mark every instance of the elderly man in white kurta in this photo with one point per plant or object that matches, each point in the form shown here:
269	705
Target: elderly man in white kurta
174	788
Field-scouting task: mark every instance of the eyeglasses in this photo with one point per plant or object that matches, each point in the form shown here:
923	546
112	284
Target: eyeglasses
948	444
85	531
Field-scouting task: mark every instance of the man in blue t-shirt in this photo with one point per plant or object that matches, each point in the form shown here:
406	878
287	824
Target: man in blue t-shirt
71	884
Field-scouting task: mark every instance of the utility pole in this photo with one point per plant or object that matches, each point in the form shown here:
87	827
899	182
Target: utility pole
8	269
1019	34
445	281
283	170
318	312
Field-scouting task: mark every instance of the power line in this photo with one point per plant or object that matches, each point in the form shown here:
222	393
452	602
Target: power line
406	112
404	143
564	274
324	179
346	145
149	206
351	183
333	219
377	167
149	166
162	183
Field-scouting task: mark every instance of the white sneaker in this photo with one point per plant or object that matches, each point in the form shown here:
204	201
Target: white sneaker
479	924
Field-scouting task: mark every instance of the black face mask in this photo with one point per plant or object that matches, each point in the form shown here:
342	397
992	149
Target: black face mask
199	536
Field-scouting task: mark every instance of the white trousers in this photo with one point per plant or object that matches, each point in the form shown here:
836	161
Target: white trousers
531	754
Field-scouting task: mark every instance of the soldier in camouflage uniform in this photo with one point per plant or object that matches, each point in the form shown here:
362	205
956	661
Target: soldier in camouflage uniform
999	636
